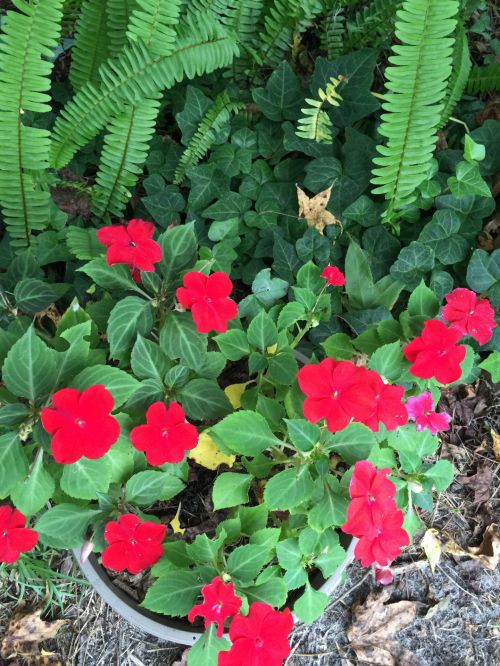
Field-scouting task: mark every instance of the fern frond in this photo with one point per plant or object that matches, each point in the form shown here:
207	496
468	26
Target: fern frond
91	46
332	37
459	74
71	11
33	32
279	24
416	79
124	152
371	24
210	125
135	75
485	78
151	22
118	17
315	123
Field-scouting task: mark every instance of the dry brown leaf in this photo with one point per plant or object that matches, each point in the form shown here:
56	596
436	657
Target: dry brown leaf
24	633
480	482
495	436
314	209
487	554
374	626
431	543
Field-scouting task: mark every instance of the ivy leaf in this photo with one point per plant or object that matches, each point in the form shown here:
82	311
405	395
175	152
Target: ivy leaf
282	98
468	180
268	290
413	263
442	236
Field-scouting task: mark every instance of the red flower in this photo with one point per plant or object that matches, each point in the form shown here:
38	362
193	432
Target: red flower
81	423
207	298
333	276
15	537
421	410
132	245
167	435
383	575
435	353
388	407
386	544
470	315
371	494
219	604
336	391
133	545
259	638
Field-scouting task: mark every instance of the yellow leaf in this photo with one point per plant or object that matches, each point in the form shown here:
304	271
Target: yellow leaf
175	523
496	444
234	393
432	547
272	350
314	209
208	455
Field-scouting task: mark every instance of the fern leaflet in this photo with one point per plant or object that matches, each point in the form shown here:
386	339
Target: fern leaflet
459	74
333	33
484	79
416	79
118	16
90	49
24	82
152	21
315	123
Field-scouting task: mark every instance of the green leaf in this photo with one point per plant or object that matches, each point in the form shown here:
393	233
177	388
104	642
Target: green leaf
423	302
413	263
245	433
412	446
165	205
205	652
359	280
282	97
253	518
33	295
388	361
273	592
338	346
289	488
13	463
441	474
130	316
353	443
29	370
231	490
148	361
268	290
330	510
473	152
310	605
64	525
149	486
180	251
442	236
233	344
35	491
203	400
109	277
245	562
86	479
303	435
282	367
483	271
120	384
179	339
262	332
174	595
468	180
492	365
291	314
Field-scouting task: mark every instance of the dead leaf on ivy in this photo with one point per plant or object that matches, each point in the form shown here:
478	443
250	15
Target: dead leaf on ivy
495	436
314	209
25	632
480	482
374	626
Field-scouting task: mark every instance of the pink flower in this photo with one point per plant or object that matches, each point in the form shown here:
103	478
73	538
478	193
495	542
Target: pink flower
421	410
219	603
333	276
470	315
383	575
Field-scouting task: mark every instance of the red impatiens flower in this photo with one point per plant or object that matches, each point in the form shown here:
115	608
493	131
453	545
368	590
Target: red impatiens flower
167	435
133	545
336	391
81	423
388	406
435	353
219	603
383	547
421	410
383	575
132	245
259	638
333	276
15	537
207	296
371	494
470	315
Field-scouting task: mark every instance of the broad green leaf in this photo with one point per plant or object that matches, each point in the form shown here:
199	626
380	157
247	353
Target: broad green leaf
174	595
338	346
441	474
149	486
109	277
353	443
468	180
130	316
423	302
288	553
330	510
148	361
282	368
273	592
492	365
310	605
230	490
86	479
32	295
359	280
120	384
303	435
289	488
282	97
29	370
64	525
205	652
203	399
412	446
291	314
179	339
262	332
268	290
13	463
180	251
253	518
233	344
388	361
244	432
245	562
35	491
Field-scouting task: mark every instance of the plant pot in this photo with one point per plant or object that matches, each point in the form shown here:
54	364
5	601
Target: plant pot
169	628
